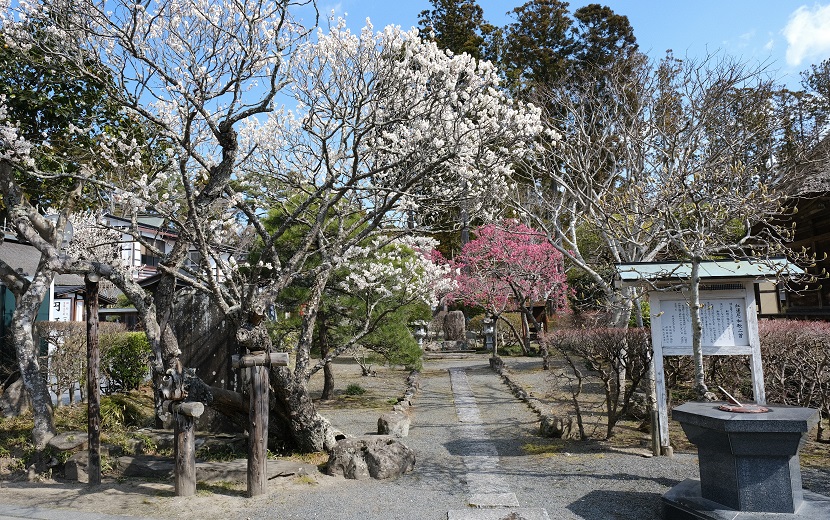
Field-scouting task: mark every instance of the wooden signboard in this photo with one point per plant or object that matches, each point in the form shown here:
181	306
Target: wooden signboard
730	328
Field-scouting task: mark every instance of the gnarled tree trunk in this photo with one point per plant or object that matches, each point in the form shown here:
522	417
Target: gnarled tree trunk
27	305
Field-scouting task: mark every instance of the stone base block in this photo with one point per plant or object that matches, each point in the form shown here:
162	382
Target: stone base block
684	502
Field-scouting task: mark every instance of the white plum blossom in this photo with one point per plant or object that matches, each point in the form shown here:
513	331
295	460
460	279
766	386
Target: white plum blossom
13	147
400	269
396	121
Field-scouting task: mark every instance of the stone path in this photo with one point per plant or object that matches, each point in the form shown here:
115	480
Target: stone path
486	483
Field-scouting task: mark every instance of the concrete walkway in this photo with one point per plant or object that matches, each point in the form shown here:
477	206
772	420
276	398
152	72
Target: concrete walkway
489	490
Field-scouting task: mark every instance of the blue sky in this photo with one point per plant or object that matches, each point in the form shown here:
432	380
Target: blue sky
786	35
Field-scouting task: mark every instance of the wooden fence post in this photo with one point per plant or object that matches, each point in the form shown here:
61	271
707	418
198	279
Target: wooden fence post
184	416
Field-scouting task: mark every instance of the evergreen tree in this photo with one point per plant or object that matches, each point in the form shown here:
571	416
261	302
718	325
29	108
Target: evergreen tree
456	25
601	37
536	46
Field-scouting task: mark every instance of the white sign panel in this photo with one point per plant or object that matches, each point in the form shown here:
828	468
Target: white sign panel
61	309
723	320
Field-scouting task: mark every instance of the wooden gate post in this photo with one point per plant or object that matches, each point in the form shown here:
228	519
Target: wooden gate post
184	447
257	365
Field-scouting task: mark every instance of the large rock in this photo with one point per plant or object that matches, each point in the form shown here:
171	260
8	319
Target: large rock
395	423
69	441
14	400
379	457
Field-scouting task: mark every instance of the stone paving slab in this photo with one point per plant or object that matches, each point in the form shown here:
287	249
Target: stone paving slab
514	513
493	500
12	512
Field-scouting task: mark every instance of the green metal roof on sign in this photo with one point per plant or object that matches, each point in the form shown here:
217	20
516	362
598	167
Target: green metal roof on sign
709	269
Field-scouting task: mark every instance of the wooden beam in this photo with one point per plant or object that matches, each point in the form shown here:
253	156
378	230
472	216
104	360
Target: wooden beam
260	359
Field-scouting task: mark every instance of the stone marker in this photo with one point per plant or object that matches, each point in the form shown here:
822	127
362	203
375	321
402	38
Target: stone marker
379	457
455	326
394	423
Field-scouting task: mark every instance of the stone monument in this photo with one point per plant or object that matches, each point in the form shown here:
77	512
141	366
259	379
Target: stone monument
749	465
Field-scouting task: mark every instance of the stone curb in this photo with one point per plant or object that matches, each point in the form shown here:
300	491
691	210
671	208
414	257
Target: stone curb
517	390
548	423
398	421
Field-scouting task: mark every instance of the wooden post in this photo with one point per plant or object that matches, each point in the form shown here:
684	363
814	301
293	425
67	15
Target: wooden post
93	390
258	431
258	364
185	415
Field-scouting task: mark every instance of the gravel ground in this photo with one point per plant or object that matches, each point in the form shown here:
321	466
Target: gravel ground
585	485
570	480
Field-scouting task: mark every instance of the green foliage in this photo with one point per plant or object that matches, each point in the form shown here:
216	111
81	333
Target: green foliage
393	339
124	411
125	361
536	45
645	311
456	25
354	389
123	301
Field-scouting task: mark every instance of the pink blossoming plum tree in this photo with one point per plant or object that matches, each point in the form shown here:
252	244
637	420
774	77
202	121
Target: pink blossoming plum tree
511	266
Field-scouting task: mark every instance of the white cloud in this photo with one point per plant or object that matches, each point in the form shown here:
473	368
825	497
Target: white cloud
808	34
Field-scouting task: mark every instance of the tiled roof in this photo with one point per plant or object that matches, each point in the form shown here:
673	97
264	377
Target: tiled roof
20	256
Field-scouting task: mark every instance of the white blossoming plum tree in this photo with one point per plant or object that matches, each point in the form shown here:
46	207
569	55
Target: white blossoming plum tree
385	128
381	126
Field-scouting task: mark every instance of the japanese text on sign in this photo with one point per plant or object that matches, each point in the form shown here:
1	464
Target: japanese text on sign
724	323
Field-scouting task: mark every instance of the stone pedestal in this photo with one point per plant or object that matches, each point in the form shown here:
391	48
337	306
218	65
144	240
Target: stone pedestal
748	463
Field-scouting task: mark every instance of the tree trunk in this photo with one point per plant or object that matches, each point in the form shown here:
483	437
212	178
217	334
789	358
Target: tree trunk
308	430
697	330
325	348
27	305
299	424
527	319
525	331
93	389
512	328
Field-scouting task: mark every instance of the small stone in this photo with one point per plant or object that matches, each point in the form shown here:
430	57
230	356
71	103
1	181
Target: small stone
76	466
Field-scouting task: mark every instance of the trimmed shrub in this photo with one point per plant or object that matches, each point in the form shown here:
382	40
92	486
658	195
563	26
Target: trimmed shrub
125	362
